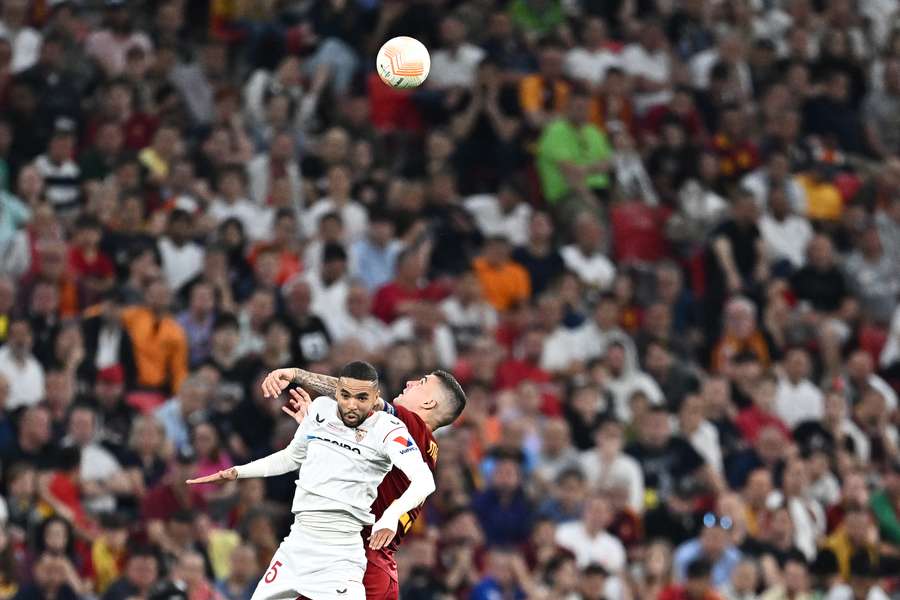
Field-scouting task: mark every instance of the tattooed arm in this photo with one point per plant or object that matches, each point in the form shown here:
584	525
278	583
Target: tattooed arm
325	385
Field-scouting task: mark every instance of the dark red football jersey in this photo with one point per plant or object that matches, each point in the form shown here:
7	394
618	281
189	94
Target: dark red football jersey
395	482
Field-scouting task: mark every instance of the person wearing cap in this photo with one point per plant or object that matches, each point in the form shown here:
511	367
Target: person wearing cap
59	169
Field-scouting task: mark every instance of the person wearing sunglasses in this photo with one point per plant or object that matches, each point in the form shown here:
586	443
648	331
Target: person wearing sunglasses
715	545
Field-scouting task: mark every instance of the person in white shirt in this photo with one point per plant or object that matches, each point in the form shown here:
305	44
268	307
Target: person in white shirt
701	434
424	324
456	63
806	514
797	398
466	311
594	335
20	368
101	475
557	452
626	378
776	173
353	215
267	169
25	41
345	451
785	235
649	62
232	203
560	349
329	285
505	214
590	61
729	51
356	322
585	257
606	467
588	539
181	257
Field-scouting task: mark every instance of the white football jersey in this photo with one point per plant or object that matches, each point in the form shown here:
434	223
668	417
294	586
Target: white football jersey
342	466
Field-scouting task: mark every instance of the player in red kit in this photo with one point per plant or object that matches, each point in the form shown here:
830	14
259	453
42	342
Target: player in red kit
425	405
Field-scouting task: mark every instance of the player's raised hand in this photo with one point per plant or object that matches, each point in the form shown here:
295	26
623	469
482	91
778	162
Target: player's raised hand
276	381
299	404
380	538
226	475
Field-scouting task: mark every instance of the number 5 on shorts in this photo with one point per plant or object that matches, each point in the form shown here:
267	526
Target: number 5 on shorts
272	573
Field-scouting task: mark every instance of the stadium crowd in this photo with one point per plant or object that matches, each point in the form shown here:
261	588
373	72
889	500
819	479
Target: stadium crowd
658	241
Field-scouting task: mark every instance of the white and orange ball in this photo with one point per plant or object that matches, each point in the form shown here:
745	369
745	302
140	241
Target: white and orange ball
403	62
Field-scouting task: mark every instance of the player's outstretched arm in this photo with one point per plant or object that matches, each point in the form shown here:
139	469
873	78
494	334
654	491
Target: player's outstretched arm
408	459
225	475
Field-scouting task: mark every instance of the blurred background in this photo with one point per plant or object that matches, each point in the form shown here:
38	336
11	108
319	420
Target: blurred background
658	241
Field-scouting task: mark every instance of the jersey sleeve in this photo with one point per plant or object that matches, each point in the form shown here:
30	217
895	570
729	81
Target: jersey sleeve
399	447
421	435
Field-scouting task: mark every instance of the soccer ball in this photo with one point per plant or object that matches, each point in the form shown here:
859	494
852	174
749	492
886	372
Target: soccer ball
403	62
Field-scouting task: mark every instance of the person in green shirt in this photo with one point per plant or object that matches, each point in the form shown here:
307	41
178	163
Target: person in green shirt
536	18
573	159
885	504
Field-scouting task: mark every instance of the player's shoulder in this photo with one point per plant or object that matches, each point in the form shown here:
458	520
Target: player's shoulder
386	424
413	422
322	404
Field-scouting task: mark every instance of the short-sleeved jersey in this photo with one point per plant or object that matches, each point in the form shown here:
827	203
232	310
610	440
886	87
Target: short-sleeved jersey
395	483
343	466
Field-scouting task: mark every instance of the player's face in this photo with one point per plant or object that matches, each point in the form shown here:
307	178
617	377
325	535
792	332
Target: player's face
419	394
356	400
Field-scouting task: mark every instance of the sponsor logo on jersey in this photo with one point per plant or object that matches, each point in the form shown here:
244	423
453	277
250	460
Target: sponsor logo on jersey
340	444
403	441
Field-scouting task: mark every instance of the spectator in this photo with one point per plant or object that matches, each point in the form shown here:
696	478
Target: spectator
140	573
181	258
197	322
353	215
714	545
373	258
180	410
311	338
665	459
504	281
786	235
797	398
502	507
586	257
573	160
160	344
241	580
873	276
456	62
884	508
20	368
466	311
698	583
539	257
762	414
606	466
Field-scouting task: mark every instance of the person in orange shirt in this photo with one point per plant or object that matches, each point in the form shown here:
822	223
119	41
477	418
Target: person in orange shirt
544	94
504	281
160	344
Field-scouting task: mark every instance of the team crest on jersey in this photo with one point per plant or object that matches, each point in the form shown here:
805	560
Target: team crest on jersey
360	434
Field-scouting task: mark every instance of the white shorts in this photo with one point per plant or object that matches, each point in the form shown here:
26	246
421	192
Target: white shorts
320	567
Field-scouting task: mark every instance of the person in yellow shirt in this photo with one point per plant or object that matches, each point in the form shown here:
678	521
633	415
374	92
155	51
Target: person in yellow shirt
504	281
160	344
108	551
162	152
858	533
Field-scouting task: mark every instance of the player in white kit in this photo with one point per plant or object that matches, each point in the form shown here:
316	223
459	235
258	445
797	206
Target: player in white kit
346	448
